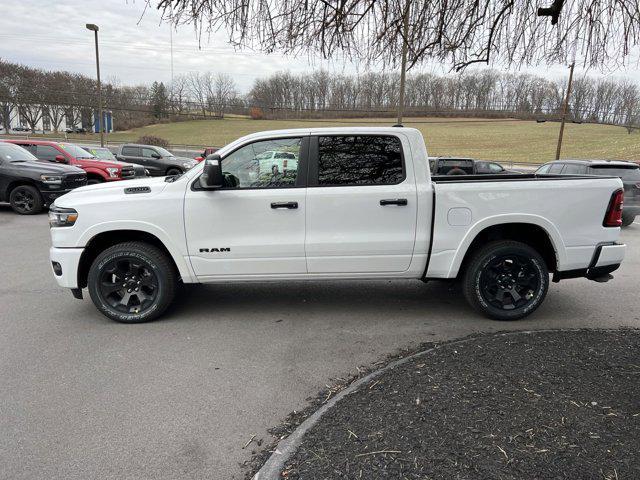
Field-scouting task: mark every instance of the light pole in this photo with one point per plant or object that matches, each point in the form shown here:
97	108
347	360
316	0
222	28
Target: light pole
564	110
94	28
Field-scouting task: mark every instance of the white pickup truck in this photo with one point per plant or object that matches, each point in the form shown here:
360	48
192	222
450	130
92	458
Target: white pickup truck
357	203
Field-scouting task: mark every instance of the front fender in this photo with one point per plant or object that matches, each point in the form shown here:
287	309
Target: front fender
174	250
96	171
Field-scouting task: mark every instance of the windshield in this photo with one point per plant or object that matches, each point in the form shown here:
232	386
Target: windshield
100	153
163	152
75	151
625	173
13	153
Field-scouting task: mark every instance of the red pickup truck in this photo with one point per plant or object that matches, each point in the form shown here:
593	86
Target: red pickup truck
98	171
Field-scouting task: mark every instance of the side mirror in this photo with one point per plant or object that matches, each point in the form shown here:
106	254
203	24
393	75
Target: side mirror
211	177
156	155
60	159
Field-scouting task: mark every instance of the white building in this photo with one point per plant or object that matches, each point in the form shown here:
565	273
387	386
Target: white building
23	119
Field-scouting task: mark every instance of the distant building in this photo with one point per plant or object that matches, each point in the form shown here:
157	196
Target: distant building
71	117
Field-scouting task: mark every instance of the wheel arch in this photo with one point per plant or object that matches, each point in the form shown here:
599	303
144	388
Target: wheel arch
17	183
95	172
103	240
535	232
173	167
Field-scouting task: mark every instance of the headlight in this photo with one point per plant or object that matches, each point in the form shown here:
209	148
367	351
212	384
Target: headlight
113	172
187	165
62	217
51	179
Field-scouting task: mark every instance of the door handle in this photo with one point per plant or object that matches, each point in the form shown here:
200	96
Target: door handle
289	205
393	201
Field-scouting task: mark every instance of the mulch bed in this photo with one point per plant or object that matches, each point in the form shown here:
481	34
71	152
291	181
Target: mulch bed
543	405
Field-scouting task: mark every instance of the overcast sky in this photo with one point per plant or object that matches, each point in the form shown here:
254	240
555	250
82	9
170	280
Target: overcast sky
135	48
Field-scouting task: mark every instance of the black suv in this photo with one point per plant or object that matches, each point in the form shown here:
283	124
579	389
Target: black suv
157	160
628	172
28	184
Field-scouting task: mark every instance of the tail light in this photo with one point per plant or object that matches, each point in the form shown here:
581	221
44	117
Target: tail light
613	217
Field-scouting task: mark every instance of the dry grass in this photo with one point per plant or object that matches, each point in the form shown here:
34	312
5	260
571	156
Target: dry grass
505	140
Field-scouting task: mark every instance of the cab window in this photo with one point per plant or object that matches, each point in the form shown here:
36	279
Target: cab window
360	160
263	164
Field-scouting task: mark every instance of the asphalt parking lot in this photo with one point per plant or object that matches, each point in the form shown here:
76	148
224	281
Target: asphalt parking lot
83	397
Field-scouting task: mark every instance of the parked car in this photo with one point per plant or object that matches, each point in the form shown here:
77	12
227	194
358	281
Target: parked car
21	128
628	172
98	171
76	130
103	153
29	185
465	166
157	160
361	205
205	153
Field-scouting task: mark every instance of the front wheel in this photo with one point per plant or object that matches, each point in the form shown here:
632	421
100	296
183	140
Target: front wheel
132	282
26	200
174	171
506	280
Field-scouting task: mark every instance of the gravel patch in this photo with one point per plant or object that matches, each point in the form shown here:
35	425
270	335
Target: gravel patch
544	405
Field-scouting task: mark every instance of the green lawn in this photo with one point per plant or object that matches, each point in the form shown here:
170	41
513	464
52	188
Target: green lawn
514	140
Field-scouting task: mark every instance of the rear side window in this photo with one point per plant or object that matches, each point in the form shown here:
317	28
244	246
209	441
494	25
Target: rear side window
47	152
360	160
453	167
148	152
632	173
573	169
131	151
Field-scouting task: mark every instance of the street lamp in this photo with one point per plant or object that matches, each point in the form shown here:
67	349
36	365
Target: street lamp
94	28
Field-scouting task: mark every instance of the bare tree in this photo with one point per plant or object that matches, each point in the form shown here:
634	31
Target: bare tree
406	32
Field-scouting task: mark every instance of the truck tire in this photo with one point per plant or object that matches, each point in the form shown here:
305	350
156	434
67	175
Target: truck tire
26	200
132	282
506	280
627	219
94	180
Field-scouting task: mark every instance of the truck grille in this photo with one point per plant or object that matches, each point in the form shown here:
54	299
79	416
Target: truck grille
74	180
128	172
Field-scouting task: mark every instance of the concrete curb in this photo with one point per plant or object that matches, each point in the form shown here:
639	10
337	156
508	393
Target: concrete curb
274	465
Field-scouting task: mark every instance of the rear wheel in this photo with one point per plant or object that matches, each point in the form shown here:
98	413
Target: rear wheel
132	282
26	200
627	219
506	280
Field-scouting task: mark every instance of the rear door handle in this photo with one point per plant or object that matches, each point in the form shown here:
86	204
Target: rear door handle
393	201
289	205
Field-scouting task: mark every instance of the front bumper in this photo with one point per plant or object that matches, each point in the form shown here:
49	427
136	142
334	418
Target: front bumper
606	259
50	196
64	265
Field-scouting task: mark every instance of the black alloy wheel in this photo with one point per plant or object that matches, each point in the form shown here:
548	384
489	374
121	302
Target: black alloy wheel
132	282
25	200
128	285
506	280
509	282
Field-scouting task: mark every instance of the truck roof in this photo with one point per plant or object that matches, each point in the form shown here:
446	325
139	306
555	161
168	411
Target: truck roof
608	163
334	130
